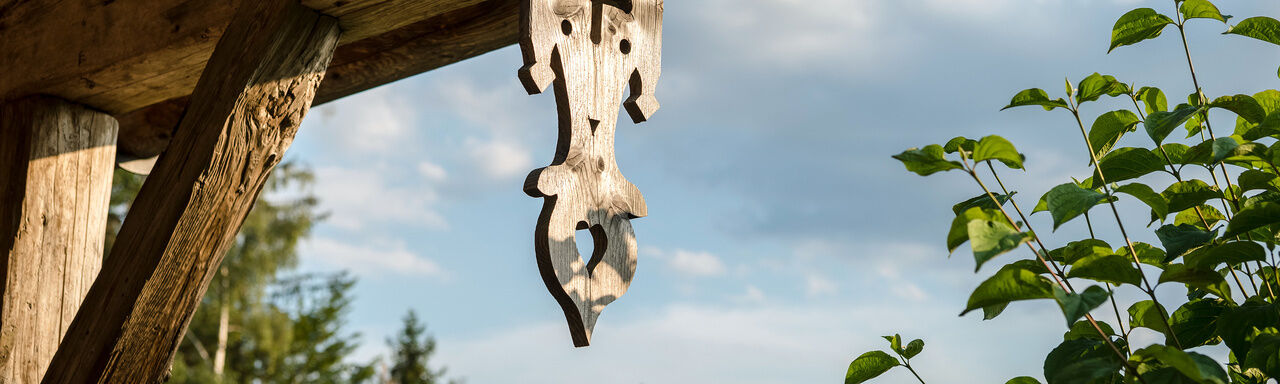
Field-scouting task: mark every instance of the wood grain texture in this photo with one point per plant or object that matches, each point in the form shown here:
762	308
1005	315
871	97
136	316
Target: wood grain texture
359	65
58	158
245	112
591	50
122	55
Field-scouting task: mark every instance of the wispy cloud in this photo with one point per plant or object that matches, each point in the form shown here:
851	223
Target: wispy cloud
376	121
688	263
357	198
370	260
685	343
817	285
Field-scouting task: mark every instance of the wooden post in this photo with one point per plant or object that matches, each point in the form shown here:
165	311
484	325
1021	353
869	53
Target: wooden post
56	160
244	113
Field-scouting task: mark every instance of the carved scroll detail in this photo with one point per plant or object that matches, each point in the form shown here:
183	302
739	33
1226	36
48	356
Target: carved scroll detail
591	50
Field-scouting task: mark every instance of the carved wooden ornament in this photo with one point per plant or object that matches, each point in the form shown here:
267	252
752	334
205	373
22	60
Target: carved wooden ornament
591	50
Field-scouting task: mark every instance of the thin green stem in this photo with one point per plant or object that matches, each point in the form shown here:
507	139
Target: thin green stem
1025	221
1173	170
1093	156
1204	117
1114	307
907	363
1057	277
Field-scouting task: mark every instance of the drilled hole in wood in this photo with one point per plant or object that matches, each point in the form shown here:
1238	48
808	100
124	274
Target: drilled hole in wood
624	46
566	27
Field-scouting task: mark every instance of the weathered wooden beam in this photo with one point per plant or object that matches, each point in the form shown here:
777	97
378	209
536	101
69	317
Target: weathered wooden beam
245	112
359	65
56	161
120	56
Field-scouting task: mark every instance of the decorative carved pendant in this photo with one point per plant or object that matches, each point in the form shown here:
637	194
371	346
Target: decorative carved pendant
590	50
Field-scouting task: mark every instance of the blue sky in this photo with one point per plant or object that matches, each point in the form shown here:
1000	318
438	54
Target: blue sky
782	240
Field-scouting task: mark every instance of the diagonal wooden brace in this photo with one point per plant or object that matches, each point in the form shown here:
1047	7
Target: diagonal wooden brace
244	113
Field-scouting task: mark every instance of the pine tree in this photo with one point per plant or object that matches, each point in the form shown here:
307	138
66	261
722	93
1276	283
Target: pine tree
243	333
412	350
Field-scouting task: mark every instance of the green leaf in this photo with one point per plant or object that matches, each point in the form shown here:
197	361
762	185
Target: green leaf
1136	26
1110	268
1069	200
1242	105
1108	128
1232	253
1256	216
1223	147
959	143
913	348
1177	152
959	233
997	148
895	342
1201	9
991	311
1259	199
927	161
1261	28
1253	179
1269	125
1083	329
1180	239
1096	85
1077	250
1011	283
1147	254
1080	361
991	238
1147	314
1127	163
1238	325
1154	99
982	201
1074	306
1209	214
1199	368
1160	124
1265	354
1159	205
1023	380
1188	194
868	366
1035	96
1196	322
1202	278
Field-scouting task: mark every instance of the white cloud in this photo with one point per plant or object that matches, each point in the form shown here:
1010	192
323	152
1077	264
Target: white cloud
796	34
701	264
910	291
500	159
816	285
752	295
376	121
356	198
432	171
685	343
370	260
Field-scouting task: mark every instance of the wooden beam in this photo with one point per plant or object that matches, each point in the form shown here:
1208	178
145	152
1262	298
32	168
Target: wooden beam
120	56
55	165
246	110
359	65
